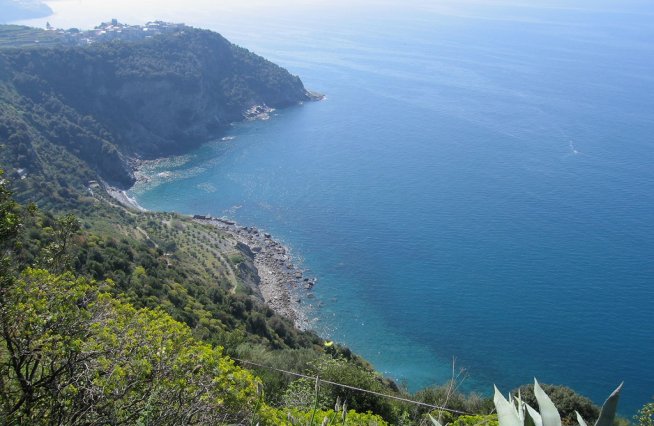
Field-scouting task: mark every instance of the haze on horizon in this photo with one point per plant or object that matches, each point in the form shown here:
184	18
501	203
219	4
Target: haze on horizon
256	24
85	14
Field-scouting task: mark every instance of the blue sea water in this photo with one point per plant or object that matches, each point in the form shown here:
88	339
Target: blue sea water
478	184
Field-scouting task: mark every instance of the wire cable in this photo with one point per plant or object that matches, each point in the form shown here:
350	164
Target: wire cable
329	382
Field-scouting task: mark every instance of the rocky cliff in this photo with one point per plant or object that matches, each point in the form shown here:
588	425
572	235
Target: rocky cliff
109	102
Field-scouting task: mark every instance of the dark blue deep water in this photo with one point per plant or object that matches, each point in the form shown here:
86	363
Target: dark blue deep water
478	184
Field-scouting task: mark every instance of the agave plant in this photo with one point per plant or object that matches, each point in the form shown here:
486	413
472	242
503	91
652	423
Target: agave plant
519	413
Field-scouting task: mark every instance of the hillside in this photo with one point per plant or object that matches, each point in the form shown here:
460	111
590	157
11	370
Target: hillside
72	118
78	346
93	108
91	287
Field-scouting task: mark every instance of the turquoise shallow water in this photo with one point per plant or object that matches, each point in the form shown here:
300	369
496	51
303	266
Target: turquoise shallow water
476	186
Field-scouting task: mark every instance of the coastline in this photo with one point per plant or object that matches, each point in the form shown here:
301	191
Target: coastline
123	199
283	285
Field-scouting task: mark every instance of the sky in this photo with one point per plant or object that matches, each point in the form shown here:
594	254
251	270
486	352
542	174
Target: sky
250	14
82	13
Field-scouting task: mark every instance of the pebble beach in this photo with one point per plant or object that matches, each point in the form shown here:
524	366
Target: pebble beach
283	286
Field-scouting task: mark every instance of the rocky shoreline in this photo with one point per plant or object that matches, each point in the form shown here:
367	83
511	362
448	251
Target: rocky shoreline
283	284
122	197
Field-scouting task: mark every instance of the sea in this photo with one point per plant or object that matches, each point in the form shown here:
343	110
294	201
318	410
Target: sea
475	192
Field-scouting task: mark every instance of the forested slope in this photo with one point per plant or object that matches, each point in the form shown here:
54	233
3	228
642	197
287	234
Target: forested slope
70	120
91	108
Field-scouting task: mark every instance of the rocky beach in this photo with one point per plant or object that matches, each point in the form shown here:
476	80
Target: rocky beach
122	197
283	284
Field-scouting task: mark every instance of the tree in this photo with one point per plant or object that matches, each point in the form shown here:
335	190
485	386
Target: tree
56	255
43	322
72	354
348	373
10	224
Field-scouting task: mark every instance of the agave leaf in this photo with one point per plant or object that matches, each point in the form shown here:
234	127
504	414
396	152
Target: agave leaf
535	417
521	406
609	408
548	412
434	421
580	419
518	406
506	412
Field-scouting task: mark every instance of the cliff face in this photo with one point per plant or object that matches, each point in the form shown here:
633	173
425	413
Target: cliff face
111	101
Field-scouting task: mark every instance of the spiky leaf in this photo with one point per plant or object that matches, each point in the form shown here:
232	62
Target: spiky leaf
580	419
506	412
434	421
548	412
521	406
533	414
609	408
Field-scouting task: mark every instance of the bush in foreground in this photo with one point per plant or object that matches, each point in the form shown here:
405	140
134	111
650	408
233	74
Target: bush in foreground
71	354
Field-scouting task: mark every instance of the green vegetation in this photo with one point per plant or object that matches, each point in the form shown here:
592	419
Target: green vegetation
293	417
566	401
110	315
449	396
645	416
69	115
19	36
300	393
76	355
519	413
478	420
75	351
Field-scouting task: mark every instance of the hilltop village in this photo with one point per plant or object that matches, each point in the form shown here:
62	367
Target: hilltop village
115	30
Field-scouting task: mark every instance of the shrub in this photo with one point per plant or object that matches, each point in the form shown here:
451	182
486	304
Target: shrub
566	400
645	416
71	354
515	412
